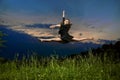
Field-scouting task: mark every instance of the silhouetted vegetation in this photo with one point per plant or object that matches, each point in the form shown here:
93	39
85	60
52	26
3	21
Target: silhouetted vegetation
110	51
1	40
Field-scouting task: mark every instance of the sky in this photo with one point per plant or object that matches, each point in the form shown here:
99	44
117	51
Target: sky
100	17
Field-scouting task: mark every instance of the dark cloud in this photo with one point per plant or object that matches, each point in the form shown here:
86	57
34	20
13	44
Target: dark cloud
81	34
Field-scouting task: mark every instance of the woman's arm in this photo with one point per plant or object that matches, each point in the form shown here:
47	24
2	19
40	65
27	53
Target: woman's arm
54	26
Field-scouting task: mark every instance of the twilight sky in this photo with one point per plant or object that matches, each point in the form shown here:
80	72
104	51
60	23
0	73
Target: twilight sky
100	18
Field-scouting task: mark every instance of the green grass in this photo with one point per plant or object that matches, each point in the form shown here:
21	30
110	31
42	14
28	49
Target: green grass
90	68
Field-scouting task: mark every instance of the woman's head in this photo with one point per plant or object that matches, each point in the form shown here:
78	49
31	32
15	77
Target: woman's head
67	21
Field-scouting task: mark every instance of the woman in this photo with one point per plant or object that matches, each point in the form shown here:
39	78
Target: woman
64	27
63	31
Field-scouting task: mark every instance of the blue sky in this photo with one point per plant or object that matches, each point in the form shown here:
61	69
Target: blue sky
96	12
75	8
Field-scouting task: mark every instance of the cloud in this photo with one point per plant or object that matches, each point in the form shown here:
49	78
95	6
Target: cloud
97	29
88	17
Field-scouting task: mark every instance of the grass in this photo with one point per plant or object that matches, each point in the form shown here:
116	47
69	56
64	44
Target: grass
89	68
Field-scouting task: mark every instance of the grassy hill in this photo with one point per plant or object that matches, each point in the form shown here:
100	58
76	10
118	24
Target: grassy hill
82	68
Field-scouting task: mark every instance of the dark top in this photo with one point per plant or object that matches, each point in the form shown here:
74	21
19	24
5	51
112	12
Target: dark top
64	28
64	32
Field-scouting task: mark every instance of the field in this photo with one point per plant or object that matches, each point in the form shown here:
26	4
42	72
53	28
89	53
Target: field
81	68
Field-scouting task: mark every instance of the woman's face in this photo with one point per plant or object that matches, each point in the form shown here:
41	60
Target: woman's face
67	21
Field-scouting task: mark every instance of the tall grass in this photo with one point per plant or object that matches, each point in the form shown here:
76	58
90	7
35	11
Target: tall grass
89	68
